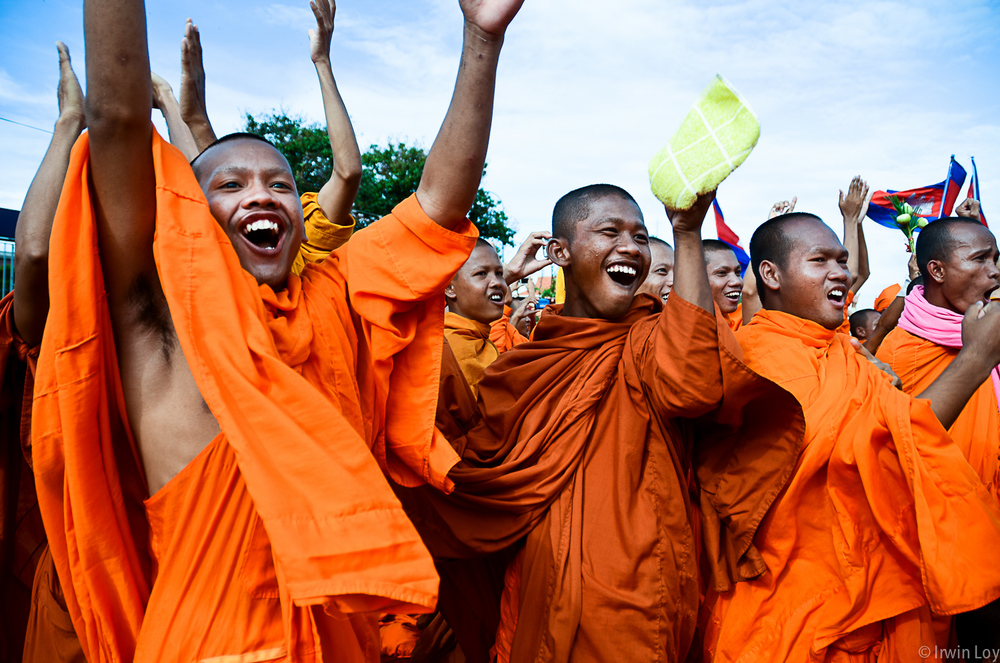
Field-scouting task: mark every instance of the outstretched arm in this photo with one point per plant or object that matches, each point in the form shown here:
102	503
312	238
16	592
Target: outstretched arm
34	224
166	103
979	355
690	277
851	207
886	323
119	103
194	111
337	196
864	269
454	165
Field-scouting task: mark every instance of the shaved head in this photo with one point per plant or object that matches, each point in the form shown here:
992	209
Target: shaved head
715	245
772	242
937	240
575	207
239	135
863	323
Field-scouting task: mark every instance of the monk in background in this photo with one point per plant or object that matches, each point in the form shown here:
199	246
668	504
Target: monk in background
211	390
724	277
581	459
863	323
29	588
883	521
957	257
660	279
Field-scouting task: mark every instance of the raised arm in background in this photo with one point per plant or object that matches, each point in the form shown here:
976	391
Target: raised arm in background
34	223
853	207
194	112
454	165
337	196
177	129
969	208
750	299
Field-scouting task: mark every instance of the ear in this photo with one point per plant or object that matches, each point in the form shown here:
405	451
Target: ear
770	275
449	292
935	270
558	252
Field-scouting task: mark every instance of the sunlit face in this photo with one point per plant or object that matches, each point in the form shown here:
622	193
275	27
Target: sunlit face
725	279
478	290
660	279
815	282
969	273
605	261
251	193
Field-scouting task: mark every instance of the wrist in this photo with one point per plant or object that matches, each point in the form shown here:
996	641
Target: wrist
974	364
70	121
476	35
322	60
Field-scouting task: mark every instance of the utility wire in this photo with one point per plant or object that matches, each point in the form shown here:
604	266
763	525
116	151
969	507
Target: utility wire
25	125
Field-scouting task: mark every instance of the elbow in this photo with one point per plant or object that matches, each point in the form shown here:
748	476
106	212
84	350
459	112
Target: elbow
350	175
30	257
115	117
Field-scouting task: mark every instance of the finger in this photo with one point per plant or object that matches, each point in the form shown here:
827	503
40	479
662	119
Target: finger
63	54
316	13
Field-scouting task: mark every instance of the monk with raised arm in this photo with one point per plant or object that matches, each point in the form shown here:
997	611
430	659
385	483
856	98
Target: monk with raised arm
327	212
208	435
582	460
883	521
30	596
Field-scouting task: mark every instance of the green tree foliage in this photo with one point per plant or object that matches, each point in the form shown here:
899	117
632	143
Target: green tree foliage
389	174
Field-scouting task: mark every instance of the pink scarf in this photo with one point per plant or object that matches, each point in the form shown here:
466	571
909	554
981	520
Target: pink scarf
937	325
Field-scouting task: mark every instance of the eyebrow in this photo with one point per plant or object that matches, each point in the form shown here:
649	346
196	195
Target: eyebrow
241	170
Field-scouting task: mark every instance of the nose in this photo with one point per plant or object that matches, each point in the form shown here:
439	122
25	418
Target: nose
258	194
628	246
736	281
994	271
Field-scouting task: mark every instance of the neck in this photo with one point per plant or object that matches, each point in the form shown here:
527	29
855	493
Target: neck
934	297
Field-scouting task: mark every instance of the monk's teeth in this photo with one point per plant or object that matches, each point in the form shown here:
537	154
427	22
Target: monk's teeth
621	269
263	224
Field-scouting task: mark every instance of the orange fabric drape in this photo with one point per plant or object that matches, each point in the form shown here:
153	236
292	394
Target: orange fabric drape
271	367
886	297
503	334
882	516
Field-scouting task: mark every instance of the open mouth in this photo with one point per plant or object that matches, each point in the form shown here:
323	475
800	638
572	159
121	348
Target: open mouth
622	274
836	296
263	232
733	296
496	298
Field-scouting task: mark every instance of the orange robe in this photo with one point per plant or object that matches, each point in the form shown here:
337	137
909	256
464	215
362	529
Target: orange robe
22	537
584	450
886	297
470	341
882	517
976	431
503	334
314	543
323	236
735	319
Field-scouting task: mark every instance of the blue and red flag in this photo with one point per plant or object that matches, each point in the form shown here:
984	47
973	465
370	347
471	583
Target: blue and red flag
974	191
931	202
726	234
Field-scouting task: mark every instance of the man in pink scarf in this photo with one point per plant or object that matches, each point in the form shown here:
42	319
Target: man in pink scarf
958	260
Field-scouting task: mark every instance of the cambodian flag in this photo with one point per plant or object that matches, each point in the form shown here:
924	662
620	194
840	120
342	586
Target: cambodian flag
974	191
931	202
726	234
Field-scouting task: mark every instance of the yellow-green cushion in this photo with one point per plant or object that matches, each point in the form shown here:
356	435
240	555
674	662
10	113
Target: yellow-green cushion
717	135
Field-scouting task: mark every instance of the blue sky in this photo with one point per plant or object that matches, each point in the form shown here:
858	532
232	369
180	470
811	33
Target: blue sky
588	91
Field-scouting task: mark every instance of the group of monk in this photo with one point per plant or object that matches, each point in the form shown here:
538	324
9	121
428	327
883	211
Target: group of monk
234	430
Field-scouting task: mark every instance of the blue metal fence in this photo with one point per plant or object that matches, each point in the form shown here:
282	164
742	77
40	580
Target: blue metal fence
7	266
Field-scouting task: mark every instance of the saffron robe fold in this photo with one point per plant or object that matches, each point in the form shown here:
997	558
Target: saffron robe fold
503	334
886	297
919	362
581	445
470	342
882	515
323	235
735	319
300	383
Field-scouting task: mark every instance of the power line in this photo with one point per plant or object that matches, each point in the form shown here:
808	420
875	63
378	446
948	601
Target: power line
25	125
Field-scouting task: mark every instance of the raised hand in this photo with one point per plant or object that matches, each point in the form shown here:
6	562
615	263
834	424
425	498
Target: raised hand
319	39
854	205
180	134
69	92
491	16
911	266
525	263
523	316
981	332
969	208
691	220
782	207
162	92
194	110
